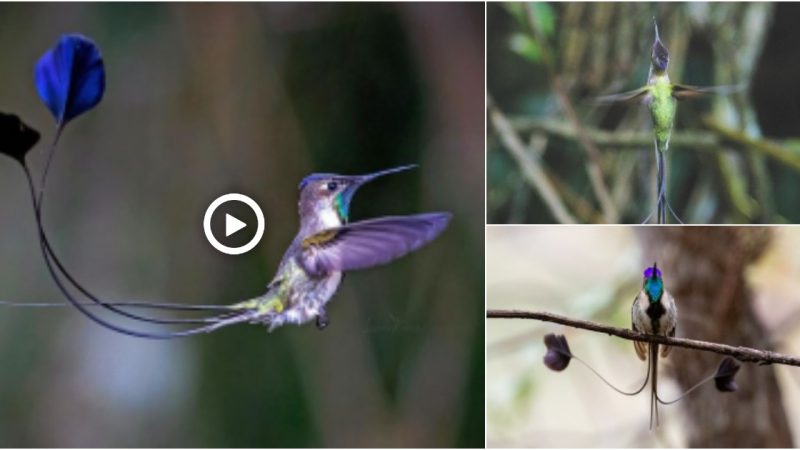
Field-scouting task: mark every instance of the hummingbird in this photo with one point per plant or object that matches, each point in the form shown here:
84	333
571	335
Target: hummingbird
326	246
661	96
653	312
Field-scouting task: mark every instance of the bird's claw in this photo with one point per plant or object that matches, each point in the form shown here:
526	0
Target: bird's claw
322	320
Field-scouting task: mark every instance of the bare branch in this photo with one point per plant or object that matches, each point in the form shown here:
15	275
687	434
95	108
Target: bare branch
528	163
744	354
593	165
715	140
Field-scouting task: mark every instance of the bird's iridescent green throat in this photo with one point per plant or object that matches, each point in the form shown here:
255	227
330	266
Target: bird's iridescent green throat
342	206
654	288
653	283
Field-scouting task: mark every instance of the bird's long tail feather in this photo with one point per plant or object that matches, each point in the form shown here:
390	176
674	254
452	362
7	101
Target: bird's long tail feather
223	310
602	378
57	270
661	186
653	384
662	205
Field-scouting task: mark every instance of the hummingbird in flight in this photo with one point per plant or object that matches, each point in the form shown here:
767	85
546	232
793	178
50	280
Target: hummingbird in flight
653	312
326	246
70	80
661	96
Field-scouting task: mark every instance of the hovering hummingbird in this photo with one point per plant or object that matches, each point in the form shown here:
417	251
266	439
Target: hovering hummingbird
653	312
661	97
327	246
70	80
309	274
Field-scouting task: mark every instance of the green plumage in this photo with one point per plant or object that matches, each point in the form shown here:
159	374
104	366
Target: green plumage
661	97
662	110
654	288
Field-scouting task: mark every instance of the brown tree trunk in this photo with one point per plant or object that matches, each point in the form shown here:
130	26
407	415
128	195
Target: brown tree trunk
704	269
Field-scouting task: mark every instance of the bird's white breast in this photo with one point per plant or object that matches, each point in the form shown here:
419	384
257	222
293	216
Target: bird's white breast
329	218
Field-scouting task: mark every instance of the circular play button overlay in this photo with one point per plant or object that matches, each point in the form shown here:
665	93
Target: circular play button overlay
233	224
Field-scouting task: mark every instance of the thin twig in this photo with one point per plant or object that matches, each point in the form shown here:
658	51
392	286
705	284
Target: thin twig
745	354
768	148
593	164
713	140
620	140
529	164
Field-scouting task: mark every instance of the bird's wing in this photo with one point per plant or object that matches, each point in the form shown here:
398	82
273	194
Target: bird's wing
640	347
665	349
683	91
636	94
369	243
672	318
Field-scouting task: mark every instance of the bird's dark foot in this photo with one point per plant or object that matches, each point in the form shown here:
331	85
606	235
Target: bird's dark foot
322	321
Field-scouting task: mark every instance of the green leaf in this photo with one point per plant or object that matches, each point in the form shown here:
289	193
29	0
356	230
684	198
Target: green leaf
517	10
544	18
525	46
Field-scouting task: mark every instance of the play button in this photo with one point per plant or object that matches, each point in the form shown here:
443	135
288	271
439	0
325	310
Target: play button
233	224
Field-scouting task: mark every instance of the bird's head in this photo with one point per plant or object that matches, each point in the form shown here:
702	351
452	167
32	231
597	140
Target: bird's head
660	55
327	196
653	284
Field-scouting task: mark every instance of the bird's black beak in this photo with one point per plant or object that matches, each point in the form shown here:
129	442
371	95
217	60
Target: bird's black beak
359	180
371	176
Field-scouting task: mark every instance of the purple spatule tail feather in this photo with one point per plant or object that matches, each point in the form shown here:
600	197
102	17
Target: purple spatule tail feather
16	137
558	353
70	77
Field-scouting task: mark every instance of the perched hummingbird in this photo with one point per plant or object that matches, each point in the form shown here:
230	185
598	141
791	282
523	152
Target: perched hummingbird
308	275
661	97
653	312
327	246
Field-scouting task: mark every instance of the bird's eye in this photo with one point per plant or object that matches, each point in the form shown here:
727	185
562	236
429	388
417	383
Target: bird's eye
332	185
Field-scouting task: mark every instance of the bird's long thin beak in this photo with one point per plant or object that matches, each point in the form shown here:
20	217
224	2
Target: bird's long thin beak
360	180
371	176
655	24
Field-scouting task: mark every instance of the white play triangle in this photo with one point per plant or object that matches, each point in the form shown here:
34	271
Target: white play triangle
232	225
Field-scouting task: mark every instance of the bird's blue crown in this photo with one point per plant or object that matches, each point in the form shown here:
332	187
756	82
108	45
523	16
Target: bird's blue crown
314	177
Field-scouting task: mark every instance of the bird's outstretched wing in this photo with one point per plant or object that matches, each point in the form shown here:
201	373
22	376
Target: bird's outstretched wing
369	243
683	91
636	94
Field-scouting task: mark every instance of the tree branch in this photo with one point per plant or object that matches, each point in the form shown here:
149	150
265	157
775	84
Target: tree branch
616	140
744	354
712	141
529	163
593	164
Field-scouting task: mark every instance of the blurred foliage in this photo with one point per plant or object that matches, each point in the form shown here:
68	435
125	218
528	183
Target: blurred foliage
207	99
732	158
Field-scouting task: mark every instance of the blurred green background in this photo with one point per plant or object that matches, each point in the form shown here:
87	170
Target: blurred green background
206	99
732	159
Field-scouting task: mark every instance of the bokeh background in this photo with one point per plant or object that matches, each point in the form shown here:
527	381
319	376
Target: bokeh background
732	159
733	285
206	99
